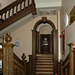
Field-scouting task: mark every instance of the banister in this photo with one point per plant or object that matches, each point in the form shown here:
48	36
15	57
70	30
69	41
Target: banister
10	6
20	7
71	63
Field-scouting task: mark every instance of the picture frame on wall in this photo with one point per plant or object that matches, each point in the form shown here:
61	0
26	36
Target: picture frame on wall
72	16
63	42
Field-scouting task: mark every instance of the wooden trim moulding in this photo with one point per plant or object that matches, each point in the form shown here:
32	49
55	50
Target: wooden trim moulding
66	61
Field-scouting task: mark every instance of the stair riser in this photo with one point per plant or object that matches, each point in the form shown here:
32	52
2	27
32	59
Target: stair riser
44	64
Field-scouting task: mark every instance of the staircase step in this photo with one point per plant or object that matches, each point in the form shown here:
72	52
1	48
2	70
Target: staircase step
44	66
44	63
44	58
44	70
44	73
44	54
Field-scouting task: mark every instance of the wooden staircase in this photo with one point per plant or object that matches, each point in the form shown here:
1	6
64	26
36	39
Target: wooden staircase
44	64
16	11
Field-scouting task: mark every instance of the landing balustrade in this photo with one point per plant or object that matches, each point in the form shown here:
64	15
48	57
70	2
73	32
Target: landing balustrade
15	11
68	65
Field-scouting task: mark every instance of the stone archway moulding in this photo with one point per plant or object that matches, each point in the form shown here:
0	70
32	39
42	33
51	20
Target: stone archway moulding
44	20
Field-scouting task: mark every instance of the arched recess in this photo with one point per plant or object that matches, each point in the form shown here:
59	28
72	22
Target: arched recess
55	40
44	20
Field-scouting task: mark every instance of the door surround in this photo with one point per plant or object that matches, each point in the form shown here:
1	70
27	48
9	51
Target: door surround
34	32
55	41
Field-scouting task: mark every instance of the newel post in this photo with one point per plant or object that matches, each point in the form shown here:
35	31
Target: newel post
8	56
71	64
33	8
24	61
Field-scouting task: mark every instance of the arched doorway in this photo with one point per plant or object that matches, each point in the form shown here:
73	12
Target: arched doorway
45	39
36	40
43	43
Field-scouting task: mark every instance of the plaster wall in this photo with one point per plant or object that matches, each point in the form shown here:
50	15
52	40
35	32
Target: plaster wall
4	3
24	35
70	29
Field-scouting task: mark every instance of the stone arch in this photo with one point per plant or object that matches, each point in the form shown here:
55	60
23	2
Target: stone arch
44	20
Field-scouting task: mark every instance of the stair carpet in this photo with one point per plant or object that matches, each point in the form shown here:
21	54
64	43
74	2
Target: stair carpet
44	64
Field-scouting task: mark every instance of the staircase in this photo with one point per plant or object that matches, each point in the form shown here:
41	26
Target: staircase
44	64
16	11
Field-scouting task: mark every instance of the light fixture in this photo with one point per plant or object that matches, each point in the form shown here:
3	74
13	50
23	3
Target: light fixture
17	44
66	19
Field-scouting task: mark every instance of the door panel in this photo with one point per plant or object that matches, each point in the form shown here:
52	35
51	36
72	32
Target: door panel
45	43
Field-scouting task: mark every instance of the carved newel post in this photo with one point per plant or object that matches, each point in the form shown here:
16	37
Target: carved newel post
71	64
8	56
24	61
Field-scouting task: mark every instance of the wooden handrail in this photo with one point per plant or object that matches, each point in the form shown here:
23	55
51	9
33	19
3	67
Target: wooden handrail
17	59
16	9
19	66
12	6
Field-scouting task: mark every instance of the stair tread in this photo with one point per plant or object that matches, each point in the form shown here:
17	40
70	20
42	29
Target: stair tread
44	63
44	66
44	54
44	59
44	70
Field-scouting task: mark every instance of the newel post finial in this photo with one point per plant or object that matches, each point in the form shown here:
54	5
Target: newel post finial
71	63
23	56
8	38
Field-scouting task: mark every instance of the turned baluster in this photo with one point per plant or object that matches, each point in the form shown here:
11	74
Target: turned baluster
32	1
1	16
20	5
5	15
12	11
8	13
28	2
24	61
16	8
71	64
24	3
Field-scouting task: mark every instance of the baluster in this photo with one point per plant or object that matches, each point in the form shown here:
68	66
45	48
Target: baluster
24	3
8	13
13	11
5	15
32	1
20	5
1	16
16	8
28	2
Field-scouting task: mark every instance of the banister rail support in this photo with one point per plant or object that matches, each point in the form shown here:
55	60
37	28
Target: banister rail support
24	61
8	56
71	64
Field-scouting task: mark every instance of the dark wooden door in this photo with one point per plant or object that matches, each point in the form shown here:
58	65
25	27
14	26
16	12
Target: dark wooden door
45	43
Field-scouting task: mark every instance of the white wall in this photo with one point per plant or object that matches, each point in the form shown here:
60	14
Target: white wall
70	30
24	35
45	30
47	3
4	3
